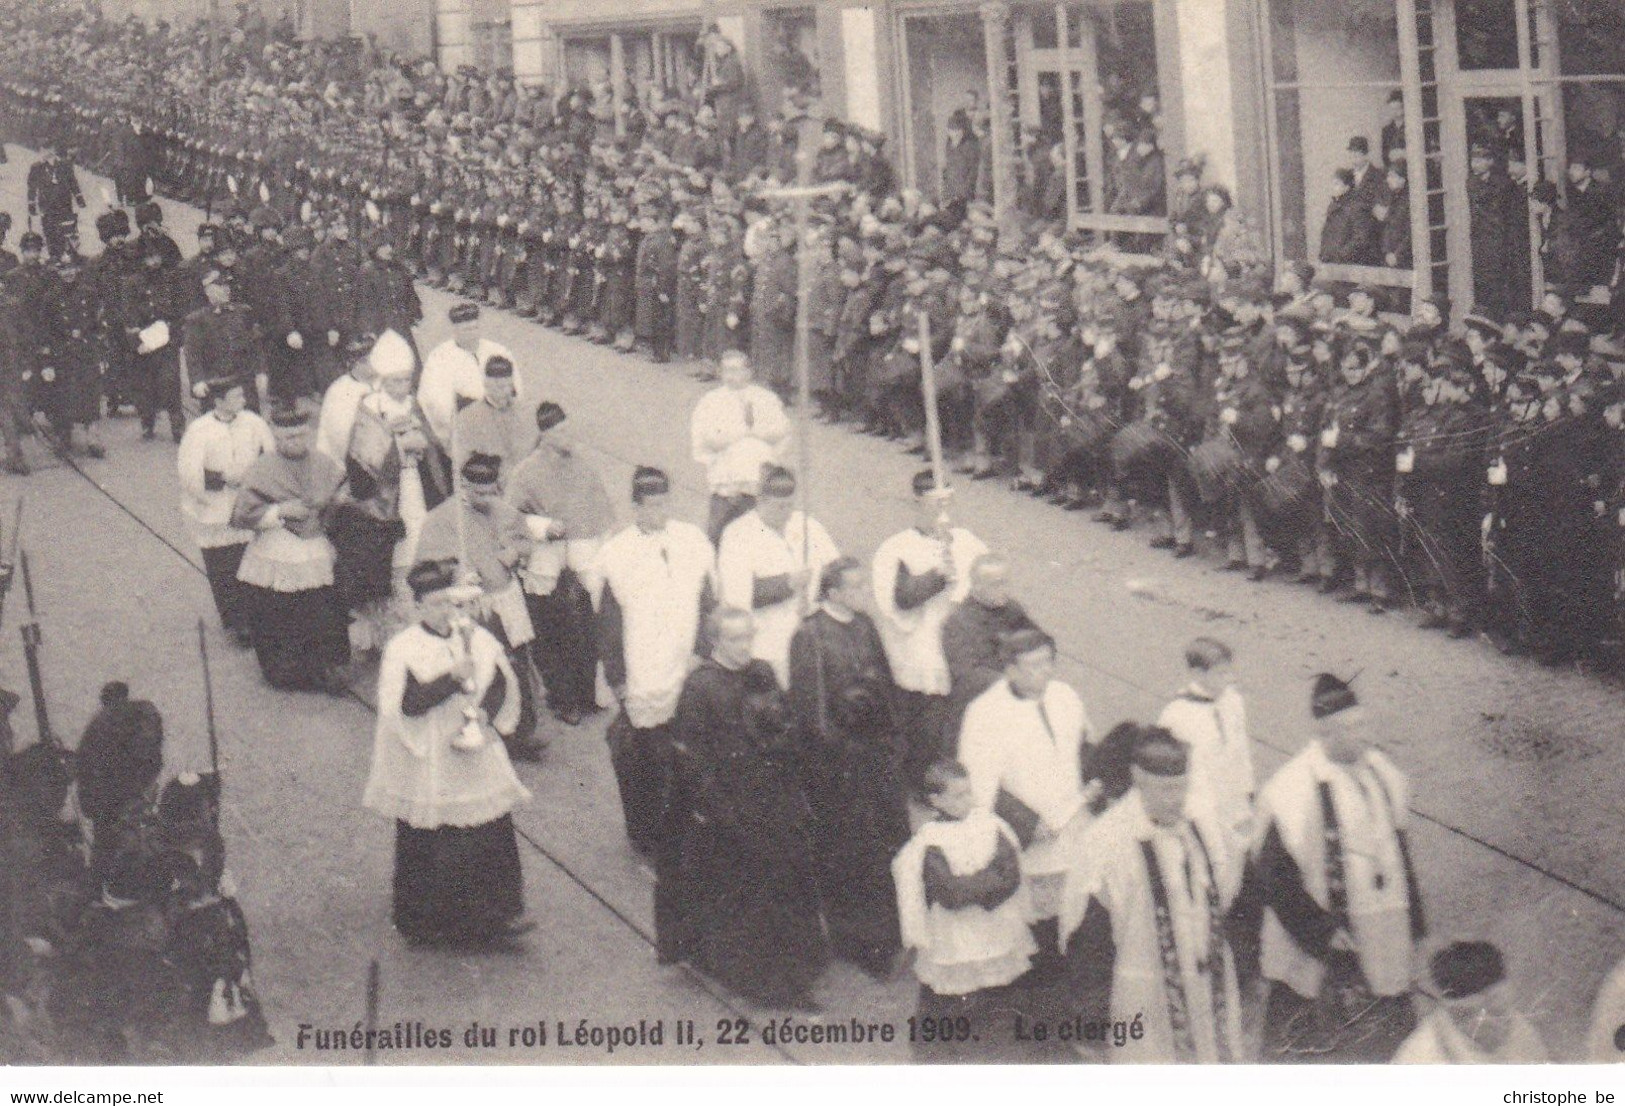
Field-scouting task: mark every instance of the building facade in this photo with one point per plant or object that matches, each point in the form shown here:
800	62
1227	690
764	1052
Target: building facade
1266	93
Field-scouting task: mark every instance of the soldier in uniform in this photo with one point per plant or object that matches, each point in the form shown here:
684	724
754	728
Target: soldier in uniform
54	198
389	296
727	300
149	224
656	281
1167	383
261	289
108	274
773	309
616	261
151	297
1091	412
70	379
1243	414
1438	456
218	342
1356	467
297	355
580	290
558	239
1566	457
335	273
23	336
690	300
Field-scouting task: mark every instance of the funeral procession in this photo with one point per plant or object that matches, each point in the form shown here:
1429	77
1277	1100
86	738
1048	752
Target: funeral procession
820	532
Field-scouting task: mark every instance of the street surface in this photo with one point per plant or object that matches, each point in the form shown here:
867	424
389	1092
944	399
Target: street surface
1518	771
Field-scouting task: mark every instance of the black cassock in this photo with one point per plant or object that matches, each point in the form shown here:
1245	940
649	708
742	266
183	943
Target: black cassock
737	894
850	754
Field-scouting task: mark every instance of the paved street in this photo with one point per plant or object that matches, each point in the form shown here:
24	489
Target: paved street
1518	771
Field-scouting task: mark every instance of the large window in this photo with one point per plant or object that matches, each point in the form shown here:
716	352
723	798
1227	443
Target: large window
1539	86
1343	108
531	43
946	72
789	73
1085	91
1098	97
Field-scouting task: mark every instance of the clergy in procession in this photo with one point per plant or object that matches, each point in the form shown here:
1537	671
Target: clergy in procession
488	539
393	448
851	760
963	911
657	583
445	695
768	562
1474	1021
1143	918
454	371
972	632
216	452
1342	912
919	575
744	908
1022	744
376	521
737	427
339	403
1210	717
299	631
496	424
568	514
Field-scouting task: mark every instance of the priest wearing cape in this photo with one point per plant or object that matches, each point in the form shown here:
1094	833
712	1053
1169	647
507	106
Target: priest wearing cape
439	769
299	631
742	902
568	514
487	537
497	423
389	479
1143	917
393	455
851	758
1341	908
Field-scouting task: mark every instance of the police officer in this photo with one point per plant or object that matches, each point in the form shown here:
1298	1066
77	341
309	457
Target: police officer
152	297
70	379
219	342
108	275
54	198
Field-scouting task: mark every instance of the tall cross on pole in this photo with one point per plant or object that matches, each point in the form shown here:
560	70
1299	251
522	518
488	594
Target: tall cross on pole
801	197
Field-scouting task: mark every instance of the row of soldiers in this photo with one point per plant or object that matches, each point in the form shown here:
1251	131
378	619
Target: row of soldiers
1287	418
136	322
